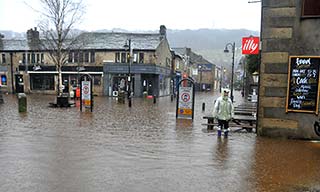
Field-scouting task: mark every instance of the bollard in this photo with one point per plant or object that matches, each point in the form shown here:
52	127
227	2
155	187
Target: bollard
129	101
121	96
171	98
154	99
22	102
203	106
1	97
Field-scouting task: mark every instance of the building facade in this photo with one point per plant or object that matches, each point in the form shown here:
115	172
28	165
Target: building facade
289	28
101	55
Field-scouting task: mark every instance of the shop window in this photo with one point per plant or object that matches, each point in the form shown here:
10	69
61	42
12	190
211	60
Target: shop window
311	8
3	80
97	80
42	82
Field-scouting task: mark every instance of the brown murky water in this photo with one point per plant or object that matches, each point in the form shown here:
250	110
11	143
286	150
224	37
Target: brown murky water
142	148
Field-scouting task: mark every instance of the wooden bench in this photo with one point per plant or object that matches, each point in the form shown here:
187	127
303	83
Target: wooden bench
242	121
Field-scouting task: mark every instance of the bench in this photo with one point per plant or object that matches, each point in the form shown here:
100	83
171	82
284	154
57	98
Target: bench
242	121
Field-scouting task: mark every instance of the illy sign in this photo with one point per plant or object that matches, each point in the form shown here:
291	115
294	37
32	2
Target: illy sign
250	45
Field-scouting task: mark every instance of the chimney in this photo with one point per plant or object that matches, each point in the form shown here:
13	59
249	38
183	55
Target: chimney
1	42
163	32
33	38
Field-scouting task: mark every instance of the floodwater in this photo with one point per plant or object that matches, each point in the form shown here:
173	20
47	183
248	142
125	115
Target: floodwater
142	148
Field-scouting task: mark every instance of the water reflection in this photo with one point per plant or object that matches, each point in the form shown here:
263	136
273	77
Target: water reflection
143	148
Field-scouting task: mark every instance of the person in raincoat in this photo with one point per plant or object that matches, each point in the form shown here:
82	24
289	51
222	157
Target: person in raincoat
223	111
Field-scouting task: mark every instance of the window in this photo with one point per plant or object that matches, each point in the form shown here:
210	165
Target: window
92	57
117	58
33	58
42	58
86	57
3	80
29	58
123	58
80	57
42	82
76	57
141	57
311	8
38	58
4	58
23	58
97	80
70	58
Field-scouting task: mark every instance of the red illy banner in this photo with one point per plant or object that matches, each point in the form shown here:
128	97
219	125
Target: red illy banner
250	45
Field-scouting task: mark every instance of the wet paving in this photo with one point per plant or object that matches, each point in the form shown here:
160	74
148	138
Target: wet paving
142	148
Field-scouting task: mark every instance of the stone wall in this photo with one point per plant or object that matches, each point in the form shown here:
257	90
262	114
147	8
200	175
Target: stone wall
284	34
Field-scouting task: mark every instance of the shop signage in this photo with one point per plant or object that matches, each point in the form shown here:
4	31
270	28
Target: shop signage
303	84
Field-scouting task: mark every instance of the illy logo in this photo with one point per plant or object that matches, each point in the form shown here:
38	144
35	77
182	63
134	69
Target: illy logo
250	45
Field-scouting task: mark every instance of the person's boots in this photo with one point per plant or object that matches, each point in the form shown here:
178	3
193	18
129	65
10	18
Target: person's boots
226	131
219	131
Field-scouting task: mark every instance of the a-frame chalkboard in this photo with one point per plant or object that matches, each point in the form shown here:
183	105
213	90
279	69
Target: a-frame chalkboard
303	84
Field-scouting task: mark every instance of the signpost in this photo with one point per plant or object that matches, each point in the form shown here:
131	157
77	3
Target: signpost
185	99
86	92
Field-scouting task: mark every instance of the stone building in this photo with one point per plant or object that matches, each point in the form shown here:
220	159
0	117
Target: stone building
289	28
200	69
101	55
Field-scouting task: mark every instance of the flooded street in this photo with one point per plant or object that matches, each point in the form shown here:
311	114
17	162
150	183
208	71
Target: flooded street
142	148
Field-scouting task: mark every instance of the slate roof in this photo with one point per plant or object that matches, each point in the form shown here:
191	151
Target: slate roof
94	40
194	58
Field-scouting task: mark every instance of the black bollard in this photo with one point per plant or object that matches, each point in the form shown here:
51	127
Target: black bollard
129	101
154	99
171	98
203	106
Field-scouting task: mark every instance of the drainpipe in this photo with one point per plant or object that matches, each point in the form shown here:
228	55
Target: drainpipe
11	63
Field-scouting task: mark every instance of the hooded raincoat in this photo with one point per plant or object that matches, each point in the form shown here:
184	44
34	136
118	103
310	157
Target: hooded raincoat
223	108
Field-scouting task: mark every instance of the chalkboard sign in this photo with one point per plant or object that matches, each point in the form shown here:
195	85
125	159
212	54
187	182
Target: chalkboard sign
303	84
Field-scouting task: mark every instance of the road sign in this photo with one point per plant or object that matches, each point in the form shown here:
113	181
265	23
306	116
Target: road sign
185	100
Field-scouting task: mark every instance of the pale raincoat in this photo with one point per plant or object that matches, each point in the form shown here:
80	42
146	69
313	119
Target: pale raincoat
223	108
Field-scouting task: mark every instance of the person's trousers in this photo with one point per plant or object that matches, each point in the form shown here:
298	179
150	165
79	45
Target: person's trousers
223	124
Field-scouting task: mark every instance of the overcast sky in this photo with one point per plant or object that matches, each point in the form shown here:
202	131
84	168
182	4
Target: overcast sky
17	16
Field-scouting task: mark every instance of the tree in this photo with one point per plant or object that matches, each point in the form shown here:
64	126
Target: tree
253	62
56	29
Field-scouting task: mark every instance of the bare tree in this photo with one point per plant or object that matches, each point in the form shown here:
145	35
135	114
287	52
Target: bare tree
56	28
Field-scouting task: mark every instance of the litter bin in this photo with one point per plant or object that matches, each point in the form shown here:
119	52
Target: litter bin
22	102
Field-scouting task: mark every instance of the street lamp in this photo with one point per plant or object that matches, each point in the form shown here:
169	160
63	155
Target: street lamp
226	50
200	79
127	47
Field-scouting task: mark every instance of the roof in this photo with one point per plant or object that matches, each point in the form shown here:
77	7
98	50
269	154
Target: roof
94	40
194	58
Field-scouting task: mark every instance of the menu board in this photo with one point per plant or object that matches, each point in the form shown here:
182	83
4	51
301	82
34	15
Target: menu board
303	84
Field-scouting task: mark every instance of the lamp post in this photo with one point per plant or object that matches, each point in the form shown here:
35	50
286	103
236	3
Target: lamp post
243	78
200	79
127	47
226	50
